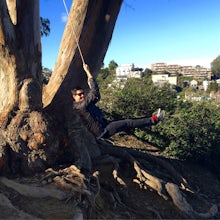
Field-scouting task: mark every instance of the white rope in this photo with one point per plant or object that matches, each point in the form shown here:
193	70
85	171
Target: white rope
77	42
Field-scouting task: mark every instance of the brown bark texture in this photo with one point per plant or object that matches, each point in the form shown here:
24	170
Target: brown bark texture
20	56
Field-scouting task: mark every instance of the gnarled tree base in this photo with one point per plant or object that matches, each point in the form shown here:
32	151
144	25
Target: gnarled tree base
124	183
29	142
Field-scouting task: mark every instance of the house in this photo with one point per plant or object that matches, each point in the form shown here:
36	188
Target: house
128	71
205	84
123	71
194	83
164	78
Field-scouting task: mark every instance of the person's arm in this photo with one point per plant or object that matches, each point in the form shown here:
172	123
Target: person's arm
93	96
88	73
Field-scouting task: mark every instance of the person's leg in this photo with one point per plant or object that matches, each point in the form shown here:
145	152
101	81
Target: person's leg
123	125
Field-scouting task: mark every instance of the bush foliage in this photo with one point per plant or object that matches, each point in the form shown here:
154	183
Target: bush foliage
190	130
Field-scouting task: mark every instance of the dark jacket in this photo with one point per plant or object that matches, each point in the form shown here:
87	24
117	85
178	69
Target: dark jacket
90	114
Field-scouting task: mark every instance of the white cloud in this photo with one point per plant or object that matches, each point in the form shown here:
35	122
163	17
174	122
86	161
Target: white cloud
64	17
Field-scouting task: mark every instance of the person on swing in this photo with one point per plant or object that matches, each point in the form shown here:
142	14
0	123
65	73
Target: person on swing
92	115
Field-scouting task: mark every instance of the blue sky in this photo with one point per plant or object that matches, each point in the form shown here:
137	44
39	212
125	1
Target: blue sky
185	32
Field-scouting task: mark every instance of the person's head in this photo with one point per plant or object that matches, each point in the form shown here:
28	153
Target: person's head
78	94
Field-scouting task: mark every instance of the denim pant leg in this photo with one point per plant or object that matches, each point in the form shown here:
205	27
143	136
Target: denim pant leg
123	125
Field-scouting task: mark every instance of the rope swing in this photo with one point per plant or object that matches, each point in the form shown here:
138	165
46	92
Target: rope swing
77	42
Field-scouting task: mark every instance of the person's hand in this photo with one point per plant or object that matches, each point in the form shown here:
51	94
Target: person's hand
86	67
87	70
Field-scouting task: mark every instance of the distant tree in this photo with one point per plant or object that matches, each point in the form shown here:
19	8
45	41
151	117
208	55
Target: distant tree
45	69
46	74
44	26
103	74
112	65
147	72
181	82
165	72
105	77
212	87
215	67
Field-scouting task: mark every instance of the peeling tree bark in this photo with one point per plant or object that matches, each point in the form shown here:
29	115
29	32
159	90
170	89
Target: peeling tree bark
20	74
20	56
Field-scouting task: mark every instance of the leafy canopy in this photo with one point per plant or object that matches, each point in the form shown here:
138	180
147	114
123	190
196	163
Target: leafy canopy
44	26
215	67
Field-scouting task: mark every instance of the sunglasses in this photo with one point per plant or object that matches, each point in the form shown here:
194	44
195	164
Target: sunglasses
79	94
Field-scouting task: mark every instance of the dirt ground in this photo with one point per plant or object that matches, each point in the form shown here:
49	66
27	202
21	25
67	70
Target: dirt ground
134	203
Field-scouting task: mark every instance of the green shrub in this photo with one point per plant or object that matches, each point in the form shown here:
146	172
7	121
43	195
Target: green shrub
140	97
192	132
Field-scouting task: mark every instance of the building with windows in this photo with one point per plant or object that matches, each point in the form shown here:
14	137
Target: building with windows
197	72
161	79
173	69
128	71
187	71
159	67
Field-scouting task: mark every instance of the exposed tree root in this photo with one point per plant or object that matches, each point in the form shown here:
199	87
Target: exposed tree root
155	212
73	187
163	187
106	159
6	203
144	179
34	191
183	205
82	190
173	173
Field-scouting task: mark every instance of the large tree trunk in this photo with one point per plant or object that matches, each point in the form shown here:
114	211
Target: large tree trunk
20	56
34	140
21	77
